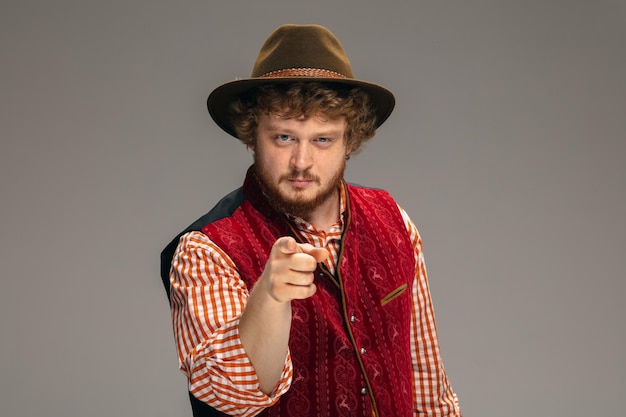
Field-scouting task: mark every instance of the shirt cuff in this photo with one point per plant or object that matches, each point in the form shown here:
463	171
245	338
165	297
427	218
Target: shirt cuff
233	379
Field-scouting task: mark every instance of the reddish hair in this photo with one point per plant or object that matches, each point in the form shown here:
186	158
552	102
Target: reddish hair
306	99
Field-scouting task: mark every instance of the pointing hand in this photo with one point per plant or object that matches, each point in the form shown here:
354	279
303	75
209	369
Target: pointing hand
288	273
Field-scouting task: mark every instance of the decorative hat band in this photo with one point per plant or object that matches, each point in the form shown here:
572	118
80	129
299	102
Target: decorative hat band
295	53
303	72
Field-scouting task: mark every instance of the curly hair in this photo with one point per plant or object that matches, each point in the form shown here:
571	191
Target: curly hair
304	99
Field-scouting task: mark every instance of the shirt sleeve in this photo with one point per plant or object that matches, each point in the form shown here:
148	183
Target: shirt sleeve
207	299
432	394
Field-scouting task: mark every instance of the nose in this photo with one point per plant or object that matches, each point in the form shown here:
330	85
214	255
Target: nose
301	158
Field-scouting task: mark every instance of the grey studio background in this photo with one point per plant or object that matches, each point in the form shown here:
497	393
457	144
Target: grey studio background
507	147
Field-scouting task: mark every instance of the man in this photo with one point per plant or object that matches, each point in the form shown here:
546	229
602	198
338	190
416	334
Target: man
299	294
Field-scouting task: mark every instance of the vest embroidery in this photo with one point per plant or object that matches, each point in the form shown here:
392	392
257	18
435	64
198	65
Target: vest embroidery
349	342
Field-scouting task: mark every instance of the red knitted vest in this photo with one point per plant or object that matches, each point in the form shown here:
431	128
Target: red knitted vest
349	342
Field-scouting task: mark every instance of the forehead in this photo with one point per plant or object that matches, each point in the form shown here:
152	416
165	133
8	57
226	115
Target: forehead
318	120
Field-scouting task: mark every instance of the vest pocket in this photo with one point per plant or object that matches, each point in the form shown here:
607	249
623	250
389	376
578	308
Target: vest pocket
393	294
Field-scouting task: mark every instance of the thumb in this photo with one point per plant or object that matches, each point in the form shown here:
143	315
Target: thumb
320	254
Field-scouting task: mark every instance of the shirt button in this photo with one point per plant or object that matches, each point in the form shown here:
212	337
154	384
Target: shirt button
363	391
363	351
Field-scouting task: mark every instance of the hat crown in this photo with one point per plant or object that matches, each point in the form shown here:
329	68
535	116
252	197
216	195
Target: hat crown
302	47
298	53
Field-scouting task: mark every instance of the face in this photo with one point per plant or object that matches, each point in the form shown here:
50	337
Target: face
300	162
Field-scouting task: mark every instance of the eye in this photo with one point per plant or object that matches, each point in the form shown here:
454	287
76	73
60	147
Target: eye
283	138
323	141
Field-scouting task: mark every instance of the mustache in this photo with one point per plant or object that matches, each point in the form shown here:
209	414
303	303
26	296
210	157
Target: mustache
297	175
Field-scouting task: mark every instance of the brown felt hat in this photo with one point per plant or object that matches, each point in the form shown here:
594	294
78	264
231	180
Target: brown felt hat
294	53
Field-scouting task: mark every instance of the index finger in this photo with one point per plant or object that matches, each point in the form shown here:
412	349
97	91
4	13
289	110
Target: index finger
287	245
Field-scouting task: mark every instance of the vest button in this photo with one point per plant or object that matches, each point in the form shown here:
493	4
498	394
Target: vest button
363	391
363	351
352	318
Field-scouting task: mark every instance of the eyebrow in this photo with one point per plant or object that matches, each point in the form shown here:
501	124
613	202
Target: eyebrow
271	128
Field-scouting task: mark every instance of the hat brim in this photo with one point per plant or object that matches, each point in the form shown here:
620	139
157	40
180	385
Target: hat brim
220	99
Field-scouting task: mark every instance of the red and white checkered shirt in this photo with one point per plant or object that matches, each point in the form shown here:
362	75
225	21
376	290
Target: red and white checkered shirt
208	297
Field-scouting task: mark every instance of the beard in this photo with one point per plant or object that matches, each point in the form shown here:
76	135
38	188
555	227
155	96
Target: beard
297	205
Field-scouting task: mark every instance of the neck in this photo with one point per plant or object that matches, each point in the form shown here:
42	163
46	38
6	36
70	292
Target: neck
326	214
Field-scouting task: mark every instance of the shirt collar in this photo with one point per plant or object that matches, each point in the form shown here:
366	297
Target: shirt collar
309	227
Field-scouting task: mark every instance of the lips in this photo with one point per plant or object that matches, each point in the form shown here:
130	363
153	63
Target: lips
300	182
